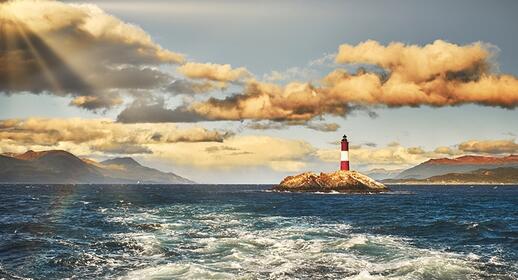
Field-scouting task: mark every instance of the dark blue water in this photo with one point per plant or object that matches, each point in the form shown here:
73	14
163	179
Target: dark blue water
244	232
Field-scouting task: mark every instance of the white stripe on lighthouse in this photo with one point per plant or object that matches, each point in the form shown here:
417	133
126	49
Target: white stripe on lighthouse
344	156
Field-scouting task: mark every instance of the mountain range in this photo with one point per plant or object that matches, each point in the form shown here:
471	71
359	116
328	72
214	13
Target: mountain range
501	175
464	169
382	173
61	167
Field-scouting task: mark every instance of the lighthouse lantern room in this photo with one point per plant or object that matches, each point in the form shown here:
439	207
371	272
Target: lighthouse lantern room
344	154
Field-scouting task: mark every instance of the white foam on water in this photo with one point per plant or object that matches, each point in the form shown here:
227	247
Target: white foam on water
226	245
143	243
365	275
177	271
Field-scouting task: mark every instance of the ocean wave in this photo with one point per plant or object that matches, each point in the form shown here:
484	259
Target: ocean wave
304	248
259	236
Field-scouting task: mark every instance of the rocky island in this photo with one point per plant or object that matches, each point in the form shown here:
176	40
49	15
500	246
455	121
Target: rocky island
340	181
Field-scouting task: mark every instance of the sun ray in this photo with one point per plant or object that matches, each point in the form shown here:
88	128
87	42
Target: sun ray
41	62
48	56
75	63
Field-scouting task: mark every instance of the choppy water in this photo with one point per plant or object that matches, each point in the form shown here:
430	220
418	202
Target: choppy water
244	232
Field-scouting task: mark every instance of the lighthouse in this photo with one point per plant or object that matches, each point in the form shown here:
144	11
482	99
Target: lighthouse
344	154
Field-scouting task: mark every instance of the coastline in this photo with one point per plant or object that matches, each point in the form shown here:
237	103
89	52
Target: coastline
450	184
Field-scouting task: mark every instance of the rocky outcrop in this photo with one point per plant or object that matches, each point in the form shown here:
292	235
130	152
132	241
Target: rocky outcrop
339	181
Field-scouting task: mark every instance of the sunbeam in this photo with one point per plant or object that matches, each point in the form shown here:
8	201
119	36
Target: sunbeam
41	62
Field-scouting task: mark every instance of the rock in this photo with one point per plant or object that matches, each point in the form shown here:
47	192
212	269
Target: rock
339	181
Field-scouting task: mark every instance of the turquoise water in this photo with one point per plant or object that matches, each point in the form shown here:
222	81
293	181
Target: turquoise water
245	232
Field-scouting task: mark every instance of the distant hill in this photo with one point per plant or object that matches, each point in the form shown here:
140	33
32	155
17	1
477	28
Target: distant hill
130	169
61	167
500	175
382	174
464	164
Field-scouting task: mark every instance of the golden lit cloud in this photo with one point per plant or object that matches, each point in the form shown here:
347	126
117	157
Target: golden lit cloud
77	50
419	63
101	135
437	74
51	18
489	147
239	151
213	72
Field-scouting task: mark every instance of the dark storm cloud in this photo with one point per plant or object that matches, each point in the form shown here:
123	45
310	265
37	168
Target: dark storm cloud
141	111
182	86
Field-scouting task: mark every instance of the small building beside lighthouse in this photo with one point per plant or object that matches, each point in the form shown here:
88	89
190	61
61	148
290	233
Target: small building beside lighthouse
344	154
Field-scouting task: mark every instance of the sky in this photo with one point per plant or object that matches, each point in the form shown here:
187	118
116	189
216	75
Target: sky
252	91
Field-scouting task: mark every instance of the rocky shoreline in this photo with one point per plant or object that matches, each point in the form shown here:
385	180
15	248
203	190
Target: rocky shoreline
339	181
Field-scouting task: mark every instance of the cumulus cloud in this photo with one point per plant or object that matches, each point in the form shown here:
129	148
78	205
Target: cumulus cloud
78	50
437	74
264	125
213	72
265	101
324	127
81	51
443	150
418	63
145	111
99	135
184	86
89	102
489	147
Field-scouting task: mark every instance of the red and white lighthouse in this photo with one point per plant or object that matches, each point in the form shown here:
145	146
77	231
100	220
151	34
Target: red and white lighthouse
344	154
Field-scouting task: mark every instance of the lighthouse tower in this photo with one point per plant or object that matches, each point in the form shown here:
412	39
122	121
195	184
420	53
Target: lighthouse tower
344	154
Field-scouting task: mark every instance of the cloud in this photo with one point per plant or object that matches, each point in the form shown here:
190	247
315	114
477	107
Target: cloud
419	63
184	86
446	151
240	151
415	151
489	147
324	127
79	50
215	149
122	149
142	111
213	72
257	125
265	101
437	74
261	125
99	135
97	102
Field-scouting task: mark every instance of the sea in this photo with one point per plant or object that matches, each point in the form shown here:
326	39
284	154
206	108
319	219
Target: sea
248	232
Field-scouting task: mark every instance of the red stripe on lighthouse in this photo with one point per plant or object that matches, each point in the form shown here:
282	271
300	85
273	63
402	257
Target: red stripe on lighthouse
344	155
